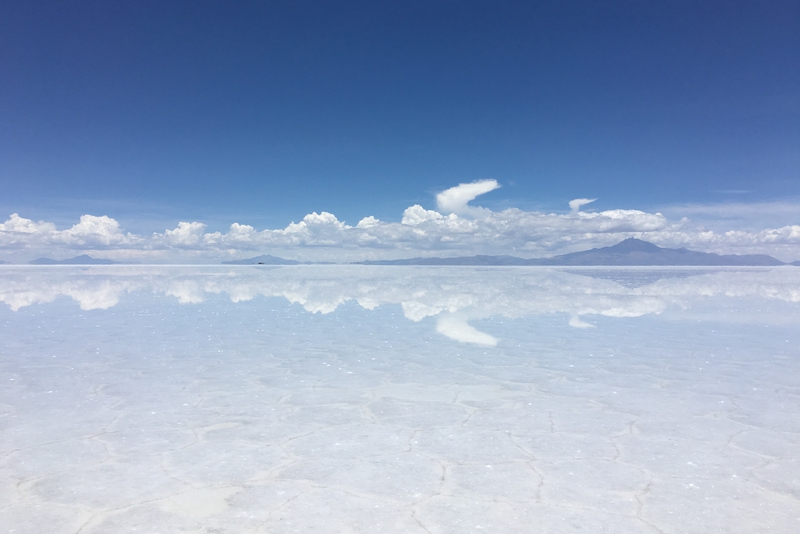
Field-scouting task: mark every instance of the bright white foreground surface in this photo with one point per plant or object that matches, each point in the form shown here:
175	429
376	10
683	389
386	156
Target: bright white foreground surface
411	400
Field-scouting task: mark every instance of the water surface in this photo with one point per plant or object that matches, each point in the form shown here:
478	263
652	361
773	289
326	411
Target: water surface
399	399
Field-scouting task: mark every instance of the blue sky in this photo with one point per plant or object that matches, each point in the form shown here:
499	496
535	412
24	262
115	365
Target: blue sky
259	113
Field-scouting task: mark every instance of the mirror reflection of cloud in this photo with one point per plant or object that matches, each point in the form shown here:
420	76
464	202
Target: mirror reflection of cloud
454	296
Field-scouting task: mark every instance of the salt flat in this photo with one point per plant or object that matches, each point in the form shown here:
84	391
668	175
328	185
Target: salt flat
395	399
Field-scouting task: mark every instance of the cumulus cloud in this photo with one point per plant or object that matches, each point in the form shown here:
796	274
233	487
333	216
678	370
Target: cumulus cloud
454	229
455	199
90	232
20	225
186	234
416	215
101	231
368	222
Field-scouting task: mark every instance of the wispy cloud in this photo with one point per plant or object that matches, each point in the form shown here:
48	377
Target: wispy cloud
738	215
455	228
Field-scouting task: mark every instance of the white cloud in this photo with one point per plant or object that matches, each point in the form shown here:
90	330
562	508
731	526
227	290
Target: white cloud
18	232
455	199
368	222
459	230
93	230
575	205
187	234
17	224
416	215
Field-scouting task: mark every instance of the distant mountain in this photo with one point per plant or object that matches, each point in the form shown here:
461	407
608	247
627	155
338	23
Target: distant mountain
637	252
83	259
630	252
262	260
464	260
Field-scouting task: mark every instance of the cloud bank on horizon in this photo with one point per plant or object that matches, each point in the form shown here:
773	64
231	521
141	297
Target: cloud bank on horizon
454	228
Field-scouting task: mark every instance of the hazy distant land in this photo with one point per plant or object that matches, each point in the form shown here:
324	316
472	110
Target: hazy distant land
266	259
83	259
630	252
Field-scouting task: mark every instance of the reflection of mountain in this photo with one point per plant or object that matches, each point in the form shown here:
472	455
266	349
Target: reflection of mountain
630	252
454	296
637	277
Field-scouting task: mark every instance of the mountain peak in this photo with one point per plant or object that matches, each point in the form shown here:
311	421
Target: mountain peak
633	245
265	259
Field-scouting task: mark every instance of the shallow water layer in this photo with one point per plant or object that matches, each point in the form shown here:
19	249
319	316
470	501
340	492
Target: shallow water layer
399	399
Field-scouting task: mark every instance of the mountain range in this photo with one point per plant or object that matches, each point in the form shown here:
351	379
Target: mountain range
266	259
630	252
83	259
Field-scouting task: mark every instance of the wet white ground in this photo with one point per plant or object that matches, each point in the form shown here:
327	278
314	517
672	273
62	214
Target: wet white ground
358	399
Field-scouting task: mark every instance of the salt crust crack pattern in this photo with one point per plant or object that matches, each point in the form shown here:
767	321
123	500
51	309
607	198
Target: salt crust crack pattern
247	416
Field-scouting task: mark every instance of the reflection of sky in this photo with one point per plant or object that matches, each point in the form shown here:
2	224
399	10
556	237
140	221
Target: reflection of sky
335	399
453	295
